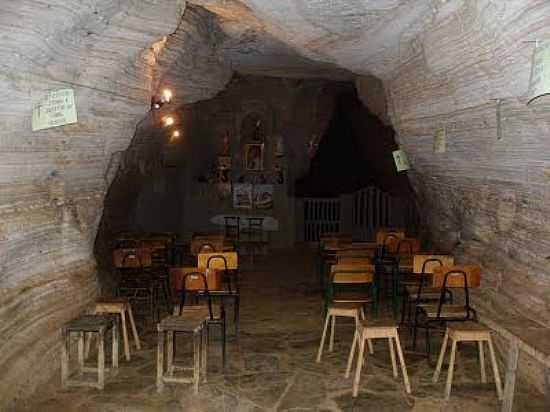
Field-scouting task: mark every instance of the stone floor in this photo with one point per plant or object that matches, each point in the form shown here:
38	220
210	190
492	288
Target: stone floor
272	366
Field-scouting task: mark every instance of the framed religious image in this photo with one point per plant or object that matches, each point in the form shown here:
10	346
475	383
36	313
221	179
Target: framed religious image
263	196
242	196
254	157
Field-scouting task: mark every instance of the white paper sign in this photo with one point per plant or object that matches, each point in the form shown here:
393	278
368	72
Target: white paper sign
440	140
57	108
401	160
539	82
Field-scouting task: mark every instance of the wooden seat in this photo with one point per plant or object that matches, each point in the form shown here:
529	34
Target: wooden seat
467	332
435	316
351	283
348	310
346	302
415	289
99	325
119	306
351	296
197	283
376	330
447	311
193	322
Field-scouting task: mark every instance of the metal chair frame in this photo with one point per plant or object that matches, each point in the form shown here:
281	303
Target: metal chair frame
438	320
231	292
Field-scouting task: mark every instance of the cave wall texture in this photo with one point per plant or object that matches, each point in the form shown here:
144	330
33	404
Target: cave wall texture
53	182
440	62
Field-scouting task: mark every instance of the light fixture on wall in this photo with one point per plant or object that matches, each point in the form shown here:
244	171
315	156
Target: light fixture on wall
175	136
165	97
168	121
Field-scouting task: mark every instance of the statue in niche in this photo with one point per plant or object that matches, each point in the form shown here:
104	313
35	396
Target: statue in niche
313	145
279	146
252	128
226	144
258	131
279	174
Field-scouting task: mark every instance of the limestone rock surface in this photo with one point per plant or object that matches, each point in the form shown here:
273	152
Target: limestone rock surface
441	62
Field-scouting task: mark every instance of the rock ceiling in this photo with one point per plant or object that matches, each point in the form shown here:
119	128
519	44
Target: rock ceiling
328	38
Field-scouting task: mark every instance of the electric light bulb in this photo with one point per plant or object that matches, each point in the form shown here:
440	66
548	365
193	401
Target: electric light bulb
176	134
168	121
167	95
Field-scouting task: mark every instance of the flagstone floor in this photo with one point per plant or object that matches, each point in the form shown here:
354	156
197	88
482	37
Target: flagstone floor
271	367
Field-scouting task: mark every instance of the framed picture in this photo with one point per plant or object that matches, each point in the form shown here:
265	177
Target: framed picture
254	157
242	196
263	196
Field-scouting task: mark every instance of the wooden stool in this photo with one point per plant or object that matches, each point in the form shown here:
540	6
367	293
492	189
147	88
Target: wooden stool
119	306
190	323
376	330
88	324
348	310
467	332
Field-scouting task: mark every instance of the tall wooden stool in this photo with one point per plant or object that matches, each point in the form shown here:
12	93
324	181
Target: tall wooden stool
88	324
348	310
119	306
376	330
191	322
467	332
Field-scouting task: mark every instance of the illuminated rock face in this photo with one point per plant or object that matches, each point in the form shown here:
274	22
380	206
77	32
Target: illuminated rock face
52	182
441	62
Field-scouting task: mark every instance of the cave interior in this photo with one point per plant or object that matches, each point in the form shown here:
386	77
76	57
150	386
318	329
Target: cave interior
330	124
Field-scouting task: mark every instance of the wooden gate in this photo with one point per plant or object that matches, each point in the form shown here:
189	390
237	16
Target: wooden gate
321	215
372	208
360	214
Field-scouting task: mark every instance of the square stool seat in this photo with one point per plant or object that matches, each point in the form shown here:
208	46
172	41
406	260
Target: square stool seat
192	320
91	324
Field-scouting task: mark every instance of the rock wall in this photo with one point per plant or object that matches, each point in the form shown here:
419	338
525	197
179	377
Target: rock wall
52	182
487	198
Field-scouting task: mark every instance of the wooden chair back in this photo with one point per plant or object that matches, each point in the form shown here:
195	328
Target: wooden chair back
179	274
132	258
352	273
217	260
408	246
216	241
382	233
199	283
419	260
452	277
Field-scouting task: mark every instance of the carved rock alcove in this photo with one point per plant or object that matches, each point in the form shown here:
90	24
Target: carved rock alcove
254	125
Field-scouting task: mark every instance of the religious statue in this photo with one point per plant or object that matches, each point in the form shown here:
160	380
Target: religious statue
279	175
313	145
226	144
279	146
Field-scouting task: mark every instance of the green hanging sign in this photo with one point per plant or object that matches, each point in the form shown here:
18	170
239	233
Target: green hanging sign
401	160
